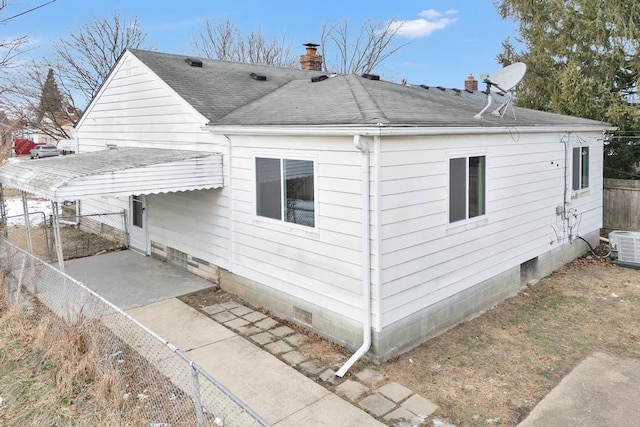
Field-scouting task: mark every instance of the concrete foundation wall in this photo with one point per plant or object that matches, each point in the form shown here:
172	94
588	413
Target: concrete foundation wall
435	319
328	324
404	334
193	265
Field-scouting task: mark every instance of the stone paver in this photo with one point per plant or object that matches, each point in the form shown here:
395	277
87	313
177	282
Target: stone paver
293	357
419	405
352	389
236	323
282	331
278	347
296	340
329	376
369	375
249	330
263	338
223	316
377	404
241	310
401	414
267	323
310	367
254	316
395	392
229	305
213	309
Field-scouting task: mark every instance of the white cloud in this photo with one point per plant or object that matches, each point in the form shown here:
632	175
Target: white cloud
430	14
430	20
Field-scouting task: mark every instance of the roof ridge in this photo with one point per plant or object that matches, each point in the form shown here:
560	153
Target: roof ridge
369	108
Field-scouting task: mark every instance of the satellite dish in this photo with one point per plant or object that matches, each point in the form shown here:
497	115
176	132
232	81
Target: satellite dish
506	79
503	81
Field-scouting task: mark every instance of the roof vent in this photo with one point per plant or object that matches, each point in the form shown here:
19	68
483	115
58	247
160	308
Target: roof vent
319	78
258	77
441	88
371	76
424	87
193	62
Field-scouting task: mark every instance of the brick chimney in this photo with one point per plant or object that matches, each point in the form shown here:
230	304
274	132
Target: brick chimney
311	61
471	83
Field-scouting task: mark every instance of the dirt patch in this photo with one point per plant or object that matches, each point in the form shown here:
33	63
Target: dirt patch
494	369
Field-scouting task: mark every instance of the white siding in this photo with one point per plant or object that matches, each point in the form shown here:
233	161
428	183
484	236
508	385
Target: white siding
424	259
136	108
322	265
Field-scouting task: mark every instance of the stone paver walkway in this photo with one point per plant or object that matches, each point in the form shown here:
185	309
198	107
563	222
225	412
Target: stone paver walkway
391	403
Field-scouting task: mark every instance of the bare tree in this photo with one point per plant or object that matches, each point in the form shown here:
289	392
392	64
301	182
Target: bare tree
224	41
9	50
85	58
363	52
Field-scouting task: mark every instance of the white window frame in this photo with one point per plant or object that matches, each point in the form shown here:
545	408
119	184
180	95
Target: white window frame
282	220
577	168
466	155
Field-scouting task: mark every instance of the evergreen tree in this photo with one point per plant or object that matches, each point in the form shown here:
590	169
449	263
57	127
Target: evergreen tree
51	100
583	59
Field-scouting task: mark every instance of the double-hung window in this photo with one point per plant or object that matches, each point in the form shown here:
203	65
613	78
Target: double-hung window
467	192
285	190
580	173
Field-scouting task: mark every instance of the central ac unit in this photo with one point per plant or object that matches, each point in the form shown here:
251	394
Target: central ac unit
625	248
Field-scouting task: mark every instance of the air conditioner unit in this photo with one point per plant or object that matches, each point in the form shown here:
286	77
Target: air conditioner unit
625	248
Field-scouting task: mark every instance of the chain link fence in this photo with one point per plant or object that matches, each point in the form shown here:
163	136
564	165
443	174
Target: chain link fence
81	235
169	389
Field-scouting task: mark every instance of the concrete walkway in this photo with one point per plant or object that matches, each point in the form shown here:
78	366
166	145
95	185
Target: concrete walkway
274	390
602	390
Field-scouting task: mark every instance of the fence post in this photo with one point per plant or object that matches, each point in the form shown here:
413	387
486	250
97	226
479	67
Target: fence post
3	213
196	395
21	276
27	223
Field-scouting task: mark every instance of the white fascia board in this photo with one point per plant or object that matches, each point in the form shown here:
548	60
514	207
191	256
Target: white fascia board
400	131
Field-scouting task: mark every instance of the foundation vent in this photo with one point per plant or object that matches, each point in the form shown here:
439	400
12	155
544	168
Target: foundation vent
302	315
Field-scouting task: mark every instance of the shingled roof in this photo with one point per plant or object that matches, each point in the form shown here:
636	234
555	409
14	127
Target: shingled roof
231	93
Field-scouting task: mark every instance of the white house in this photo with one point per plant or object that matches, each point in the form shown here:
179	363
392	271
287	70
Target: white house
367	211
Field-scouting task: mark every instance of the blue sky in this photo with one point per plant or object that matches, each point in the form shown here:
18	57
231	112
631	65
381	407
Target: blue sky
448	39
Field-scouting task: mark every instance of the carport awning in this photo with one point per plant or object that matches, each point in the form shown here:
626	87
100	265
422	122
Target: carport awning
120	172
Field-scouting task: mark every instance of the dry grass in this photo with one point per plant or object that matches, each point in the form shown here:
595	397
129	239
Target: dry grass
495	368
55	372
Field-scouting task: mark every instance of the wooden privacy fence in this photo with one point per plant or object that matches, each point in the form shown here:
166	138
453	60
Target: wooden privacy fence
621	205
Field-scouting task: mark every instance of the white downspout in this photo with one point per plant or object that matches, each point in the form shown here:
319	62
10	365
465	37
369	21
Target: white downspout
366	258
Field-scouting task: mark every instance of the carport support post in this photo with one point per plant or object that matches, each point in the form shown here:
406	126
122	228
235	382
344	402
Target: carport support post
56	234
27	224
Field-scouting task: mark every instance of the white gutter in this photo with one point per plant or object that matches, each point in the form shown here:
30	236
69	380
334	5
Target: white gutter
382	130
366	258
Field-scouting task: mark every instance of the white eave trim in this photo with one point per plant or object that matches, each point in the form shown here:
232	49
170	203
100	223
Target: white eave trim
401	131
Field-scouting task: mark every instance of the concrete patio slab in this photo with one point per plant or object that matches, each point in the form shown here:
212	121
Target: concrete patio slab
128	279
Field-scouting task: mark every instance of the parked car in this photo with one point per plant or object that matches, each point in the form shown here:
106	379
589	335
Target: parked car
44	151
24	146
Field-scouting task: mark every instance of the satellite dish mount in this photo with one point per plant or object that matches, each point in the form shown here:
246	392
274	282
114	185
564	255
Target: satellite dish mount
503	81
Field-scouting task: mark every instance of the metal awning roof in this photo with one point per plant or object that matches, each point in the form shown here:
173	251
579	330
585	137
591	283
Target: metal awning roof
121	172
